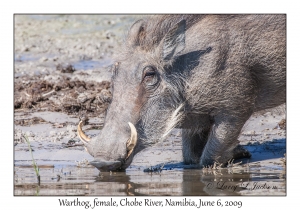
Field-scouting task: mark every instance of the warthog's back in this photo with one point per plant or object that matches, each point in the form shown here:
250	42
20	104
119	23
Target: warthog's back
248	57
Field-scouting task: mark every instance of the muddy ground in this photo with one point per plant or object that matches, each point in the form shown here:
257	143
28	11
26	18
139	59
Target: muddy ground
62	74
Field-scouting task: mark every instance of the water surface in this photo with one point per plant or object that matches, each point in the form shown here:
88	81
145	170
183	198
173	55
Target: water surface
79	181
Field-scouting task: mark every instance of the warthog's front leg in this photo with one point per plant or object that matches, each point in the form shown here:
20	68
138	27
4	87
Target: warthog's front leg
222	140
193	143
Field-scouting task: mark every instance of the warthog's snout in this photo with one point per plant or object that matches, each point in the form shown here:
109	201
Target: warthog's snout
103	165
113	160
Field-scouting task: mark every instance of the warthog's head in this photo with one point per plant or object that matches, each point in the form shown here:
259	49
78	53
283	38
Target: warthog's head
148	88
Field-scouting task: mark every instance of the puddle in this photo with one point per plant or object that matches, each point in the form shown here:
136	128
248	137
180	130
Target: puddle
90	64
70	180
26	58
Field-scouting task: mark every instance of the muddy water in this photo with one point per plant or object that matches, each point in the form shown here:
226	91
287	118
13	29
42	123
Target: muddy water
89	181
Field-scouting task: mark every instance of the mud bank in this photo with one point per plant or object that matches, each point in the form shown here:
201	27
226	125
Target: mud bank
62	93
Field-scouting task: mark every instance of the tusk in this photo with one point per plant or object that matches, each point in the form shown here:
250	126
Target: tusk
132	141
81	135
133	138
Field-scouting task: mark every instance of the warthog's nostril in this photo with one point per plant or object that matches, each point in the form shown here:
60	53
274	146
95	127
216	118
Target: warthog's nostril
106	165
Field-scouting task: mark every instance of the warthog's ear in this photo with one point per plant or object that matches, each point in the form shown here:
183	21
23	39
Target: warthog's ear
136	33
174	41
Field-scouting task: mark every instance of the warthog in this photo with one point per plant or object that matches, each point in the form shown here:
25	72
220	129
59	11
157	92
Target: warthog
205	74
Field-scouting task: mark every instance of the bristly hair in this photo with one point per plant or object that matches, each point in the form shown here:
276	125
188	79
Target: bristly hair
169	104
157	26
153	29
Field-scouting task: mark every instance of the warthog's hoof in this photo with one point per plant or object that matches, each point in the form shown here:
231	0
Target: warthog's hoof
239	152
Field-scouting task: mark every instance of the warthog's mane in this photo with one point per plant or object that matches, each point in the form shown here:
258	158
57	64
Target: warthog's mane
156	27
153	30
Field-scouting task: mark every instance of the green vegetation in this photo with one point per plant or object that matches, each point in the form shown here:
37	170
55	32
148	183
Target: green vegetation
36	168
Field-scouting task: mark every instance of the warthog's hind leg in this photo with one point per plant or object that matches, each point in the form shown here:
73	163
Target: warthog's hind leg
240	152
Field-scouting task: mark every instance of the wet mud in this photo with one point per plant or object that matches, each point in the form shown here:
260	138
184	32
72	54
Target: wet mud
62	95
62	75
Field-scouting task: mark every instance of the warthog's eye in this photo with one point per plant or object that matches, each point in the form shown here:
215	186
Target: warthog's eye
150	75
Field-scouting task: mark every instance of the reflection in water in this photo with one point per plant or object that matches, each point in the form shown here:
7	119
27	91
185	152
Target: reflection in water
88	181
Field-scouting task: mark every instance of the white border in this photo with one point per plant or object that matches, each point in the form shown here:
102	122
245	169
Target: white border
153	6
